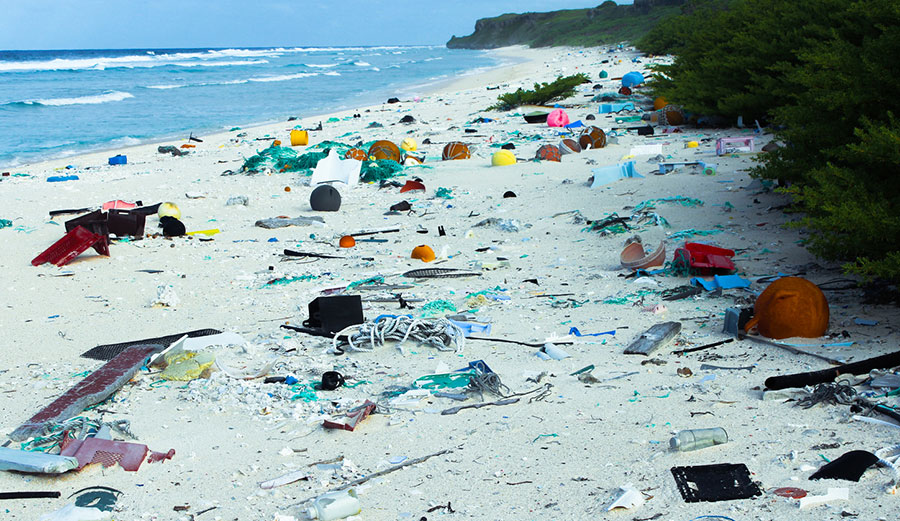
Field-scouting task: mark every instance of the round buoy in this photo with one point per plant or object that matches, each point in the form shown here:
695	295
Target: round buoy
548	153
455	150
408	144
384	149
592	137
169	210
508	194
569	146
356	153
503	158
659	103
325	198
423	252
557	118
347	241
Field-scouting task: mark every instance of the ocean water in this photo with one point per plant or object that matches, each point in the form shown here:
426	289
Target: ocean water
60	103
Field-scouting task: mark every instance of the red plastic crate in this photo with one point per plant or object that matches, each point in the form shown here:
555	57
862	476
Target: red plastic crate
70	246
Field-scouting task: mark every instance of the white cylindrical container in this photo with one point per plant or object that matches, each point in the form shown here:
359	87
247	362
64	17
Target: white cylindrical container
334	505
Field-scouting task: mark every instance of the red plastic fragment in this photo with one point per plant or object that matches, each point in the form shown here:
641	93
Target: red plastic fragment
790	492
412	185
353	419
704	259
106	452
70	246
160	456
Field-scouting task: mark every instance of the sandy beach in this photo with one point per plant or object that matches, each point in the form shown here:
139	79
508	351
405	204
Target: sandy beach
561	451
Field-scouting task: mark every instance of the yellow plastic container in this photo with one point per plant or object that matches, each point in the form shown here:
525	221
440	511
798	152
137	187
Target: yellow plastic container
299	138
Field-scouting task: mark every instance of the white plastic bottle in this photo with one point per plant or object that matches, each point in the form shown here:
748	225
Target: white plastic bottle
335	505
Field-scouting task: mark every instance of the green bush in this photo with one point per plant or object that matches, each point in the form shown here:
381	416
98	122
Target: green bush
561	88
825	73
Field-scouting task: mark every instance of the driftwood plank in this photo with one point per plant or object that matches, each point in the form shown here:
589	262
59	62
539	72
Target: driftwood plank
654	338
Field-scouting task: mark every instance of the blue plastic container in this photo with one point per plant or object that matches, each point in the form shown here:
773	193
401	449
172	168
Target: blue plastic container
118	160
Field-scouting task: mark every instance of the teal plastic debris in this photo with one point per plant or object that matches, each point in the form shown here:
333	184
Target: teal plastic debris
680	199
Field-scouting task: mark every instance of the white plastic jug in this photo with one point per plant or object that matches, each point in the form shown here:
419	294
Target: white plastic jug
335	505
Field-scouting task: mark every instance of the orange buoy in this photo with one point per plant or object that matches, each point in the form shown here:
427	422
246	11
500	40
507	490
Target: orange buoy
384	149
789	307
347	241
455	150
356	153
424	253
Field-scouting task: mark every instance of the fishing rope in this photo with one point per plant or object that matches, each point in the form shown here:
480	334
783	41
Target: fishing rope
439	333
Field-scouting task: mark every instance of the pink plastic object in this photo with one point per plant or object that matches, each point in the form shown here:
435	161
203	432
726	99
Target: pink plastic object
704	258
557	118
729	145
353	419
106	452
70	246
118	204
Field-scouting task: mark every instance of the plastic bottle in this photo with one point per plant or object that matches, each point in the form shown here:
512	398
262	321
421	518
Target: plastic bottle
694	439
335	505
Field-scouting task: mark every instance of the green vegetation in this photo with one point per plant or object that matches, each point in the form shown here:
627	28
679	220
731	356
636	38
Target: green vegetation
604	24
825	73
561	88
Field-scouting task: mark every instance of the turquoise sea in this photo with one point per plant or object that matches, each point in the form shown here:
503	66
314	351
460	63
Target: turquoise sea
60	103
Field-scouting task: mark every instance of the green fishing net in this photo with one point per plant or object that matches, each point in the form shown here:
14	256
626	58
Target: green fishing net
373	171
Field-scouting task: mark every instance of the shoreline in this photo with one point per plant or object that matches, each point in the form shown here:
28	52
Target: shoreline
513	53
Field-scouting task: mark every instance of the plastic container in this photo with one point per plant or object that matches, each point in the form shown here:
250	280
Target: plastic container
299	138
694	439
334	505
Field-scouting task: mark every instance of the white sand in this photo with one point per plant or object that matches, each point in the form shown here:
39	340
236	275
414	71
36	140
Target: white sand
562	457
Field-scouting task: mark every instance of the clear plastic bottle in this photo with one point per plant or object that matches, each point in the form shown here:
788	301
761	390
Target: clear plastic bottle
693	439
334	505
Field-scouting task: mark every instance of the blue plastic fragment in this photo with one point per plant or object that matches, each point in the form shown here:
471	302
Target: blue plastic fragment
61	178
576	332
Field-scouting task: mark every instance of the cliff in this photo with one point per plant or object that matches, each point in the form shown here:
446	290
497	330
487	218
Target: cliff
604	24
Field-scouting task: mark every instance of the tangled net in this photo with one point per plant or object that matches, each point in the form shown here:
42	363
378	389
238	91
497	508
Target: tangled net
439	333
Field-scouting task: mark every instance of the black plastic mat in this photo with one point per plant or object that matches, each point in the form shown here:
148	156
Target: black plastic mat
721	482
109	351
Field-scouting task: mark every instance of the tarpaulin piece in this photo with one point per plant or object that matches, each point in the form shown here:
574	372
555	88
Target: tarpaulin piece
95	388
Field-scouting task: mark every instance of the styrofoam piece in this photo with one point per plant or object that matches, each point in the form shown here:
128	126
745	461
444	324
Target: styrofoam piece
834	494
627	497
71	512
35	462
639	150
221	339
333	169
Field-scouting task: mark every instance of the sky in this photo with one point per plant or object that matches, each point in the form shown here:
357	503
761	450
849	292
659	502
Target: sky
117	24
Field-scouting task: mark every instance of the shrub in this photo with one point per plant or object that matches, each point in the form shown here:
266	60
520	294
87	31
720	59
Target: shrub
561	88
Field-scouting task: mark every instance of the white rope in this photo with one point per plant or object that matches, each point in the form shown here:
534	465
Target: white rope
887	457
439	333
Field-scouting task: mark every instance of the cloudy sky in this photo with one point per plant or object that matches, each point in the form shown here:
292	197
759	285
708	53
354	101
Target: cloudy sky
105	24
